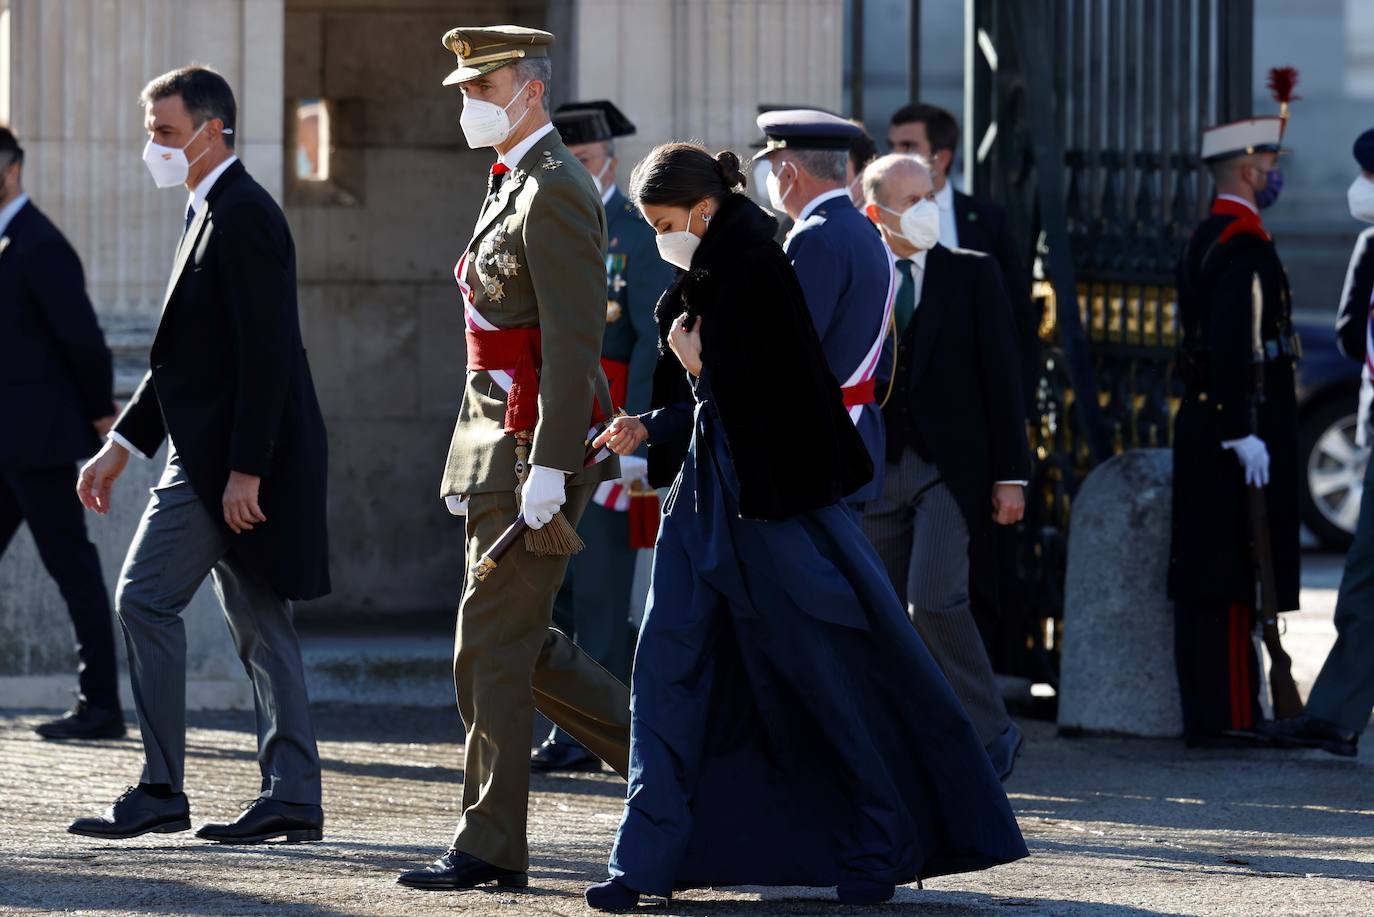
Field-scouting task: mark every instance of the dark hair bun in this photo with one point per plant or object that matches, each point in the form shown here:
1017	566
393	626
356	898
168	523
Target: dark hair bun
727	163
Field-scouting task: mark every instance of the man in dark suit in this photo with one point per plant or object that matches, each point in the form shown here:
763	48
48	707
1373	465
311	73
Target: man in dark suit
55	404
957	456
971	223
243	495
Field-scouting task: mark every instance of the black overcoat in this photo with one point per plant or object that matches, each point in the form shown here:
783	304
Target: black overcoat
1211	557
792	443
229	382
55	377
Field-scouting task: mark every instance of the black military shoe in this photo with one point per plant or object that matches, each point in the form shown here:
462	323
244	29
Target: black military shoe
135	813
456	869
562	756
84	722
1313	732
269	819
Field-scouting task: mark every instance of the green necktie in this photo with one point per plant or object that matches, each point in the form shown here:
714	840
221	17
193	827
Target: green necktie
905	305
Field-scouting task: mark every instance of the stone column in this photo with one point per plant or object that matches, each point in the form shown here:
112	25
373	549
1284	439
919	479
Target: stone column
73	72
698	69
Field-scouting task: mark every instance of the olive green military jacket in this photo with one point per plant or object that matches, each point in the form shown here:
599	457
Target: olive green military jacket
537	258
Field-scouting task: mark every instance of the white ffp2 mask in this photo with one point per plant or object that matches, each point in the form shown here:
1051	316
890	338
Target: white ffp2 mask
677	248
1360	196
777	198
168	164
486	123
920	224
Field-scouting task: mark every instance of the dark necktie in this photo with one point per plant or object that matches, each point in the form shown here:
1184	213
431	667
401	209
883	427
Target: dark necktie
190	215
905	305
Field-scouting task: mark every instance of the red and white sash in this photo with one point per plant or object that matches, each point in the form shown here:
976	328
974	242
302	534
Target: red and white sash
863	373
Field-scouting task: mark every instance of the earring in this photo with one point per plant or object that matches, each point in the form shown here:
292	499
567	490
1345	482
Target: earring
705	218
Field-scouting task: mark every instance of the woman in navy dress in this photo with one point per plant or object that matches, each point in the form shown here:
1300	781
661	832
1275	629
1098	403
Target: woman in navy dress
789	727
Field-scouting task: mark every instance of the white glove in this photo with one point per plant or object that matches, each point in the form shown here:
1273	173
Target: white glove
542	495
457	505
1253	456
633	468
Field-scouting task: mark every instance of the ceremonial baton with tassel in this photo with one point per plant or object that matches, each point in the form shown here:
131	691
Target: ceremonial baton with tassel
1282	688
489	561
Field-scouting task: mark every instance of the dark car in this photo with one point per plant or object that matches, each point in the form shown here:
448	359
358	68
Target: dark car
1328	401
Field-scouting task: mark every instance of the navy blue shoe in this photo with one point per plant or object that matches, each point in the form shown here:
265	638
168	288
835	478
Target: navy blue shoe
612	895
865	891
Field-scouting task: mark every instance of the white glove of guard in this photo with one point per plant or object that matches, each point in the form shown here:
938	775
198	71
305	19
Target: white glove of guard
633	468
542	495
457	505
1253	457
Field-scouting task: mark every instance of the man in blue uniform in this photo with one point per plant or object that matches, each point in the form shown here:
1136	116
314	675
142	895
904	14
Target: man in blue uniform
845	271
594	603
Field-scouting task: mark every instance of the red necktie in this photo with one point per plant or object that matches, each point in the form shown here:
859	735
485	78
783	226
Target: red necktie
498	172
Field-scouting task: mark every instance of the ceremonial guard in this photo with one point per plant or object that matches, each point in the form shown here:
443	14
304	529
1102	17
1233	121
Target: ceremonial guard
1235	439
846	272
532	282
594	603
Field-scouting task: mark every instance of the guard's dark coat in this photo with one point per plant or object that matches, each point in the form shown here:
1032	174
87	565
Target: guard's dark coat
1210	557
55	375
792	443
230	383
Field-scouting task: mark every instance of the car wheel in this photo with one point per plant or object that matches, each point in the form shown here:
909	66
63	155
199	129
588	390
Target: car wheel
1333	479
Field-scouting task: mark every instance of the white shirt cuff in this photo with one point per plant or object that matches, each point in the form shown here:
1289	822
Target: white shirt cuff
1021	483
457	504
127	445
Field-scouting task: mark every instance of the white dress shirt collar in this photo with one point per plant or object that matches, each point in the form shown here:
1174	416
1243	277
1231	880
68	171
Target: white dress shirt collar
511	158
944	198
821	199
608	194
11	211
949	225
1239	200
202	190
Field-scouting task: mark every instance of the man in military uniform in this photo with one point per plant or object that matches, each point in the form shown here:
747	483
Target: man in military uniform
1236	429
594	603
532	280
846	272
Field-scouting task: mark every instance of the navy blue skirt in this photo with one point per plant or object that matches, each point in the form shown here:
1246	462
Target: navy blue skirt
789	727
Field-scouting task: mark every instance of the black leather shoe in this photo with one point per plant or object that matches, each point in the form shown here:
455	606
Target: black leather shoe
84	722
269	819
1313	732
456	869
562	756
136	813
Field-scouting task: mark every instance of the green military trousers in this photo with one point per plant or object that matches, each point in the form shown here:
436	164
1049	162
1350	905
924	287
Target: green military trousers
507	661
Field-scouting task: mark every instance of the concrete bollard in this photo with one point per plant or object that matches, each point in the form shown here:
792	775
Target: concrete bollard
1117	673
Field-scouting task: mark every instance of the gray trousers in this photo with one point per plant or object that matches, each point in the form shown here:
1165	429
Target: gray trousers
177	544
922	538
1344	691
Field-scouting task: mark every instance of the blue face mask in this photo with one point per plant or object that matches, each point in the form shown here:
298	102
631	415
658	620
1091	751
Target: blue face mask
1273	184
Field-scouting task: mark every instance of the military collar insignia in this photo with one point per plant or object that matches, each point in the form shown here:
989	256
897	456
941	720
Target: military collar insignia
549	162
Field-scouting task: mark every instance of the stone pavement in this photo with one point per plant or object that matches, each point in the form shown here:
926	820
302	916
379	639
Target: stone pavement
1114	827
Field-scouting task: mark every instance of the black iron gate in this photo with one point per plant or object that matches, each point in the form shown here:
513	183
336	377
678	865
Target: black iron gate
1085	122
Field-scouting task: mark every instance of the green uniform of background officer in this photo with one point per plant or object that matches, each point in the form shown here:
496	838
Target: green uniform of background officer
594	603
535	261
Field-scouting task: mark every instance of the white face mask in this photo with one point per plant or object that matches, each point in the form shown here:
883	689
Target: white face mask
677	248
920	224
168	164
777	198
762	169
486	123
1361	199
602	174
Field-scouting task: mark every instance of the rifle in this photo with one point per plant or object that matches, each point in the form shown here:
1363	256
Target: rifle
1282	689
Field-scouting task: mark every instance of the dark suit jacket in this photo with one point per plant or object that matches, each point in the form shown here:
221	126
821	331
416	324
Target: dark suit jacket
983	227
55	376
230	384
957	397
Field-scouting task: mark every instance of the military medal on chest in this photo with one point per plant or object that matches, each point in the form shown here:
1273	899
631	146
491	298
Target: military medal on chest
494	262
615	284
